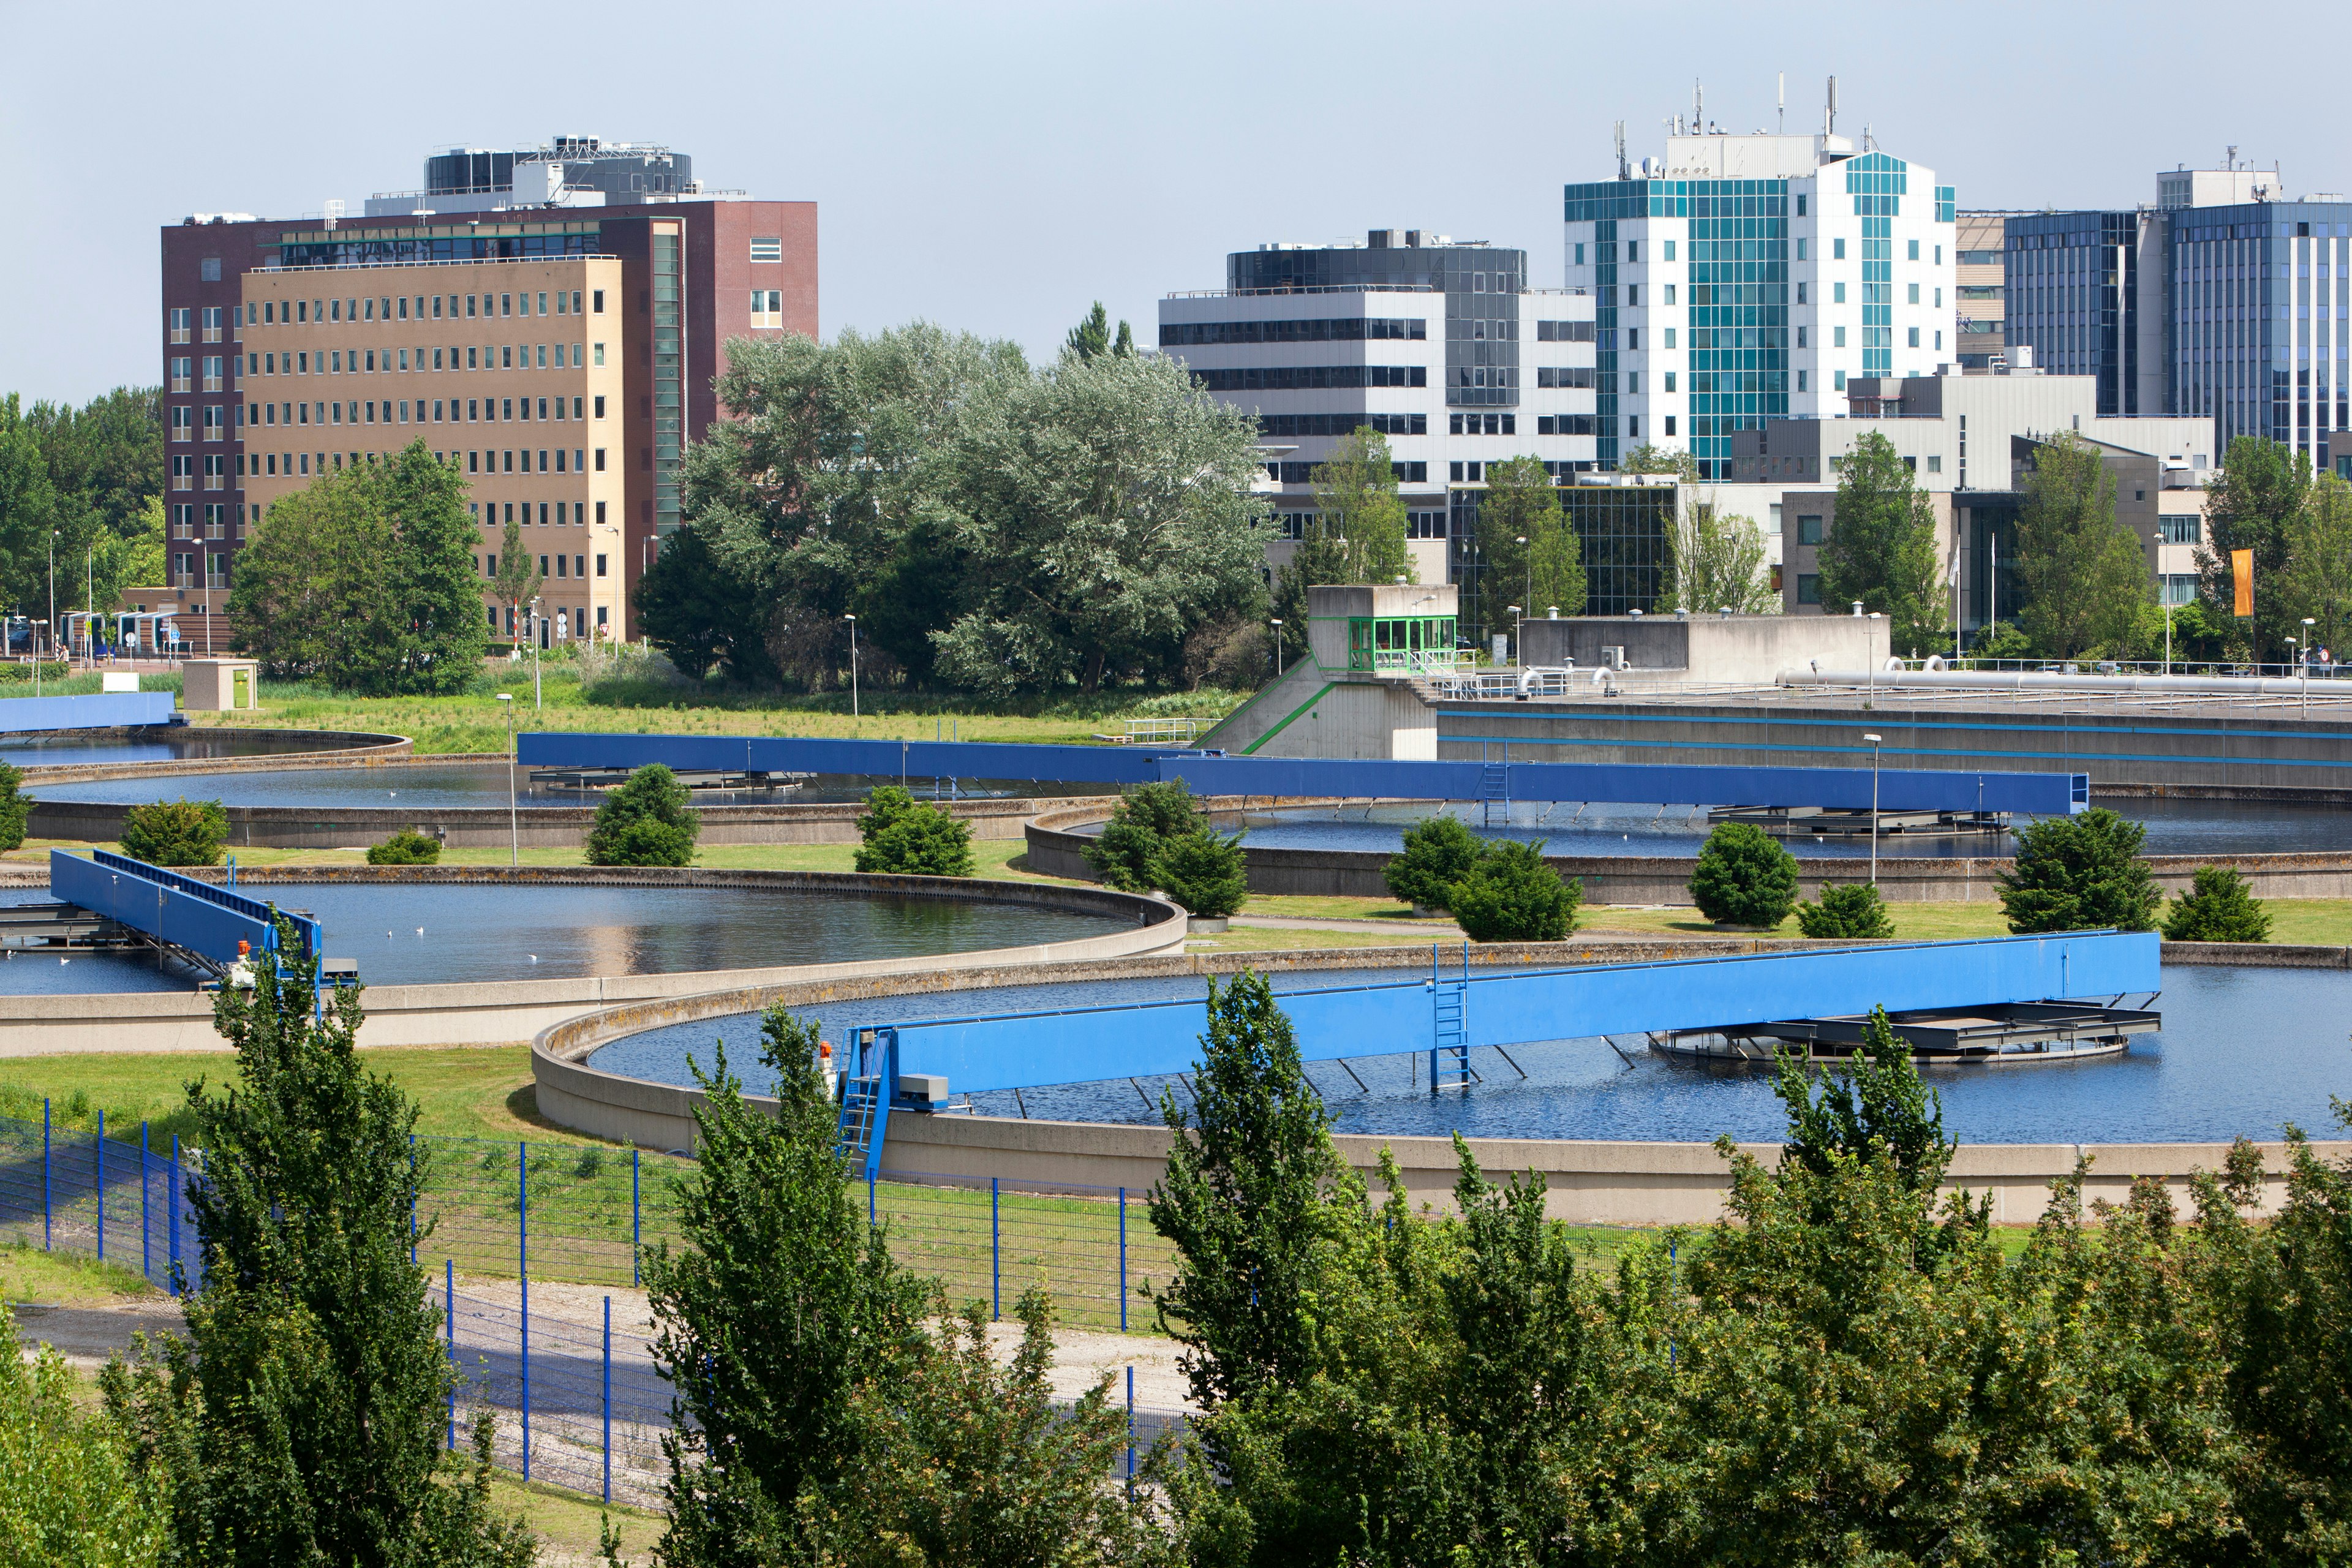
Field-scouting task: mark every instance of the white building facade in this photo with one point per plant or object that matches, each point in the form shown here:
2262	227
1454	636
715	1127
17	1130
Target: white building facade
1744	278
1441	346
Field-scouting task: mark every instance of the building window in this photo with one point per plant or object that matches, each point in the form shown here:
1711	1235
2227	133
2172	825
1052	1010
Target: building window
208	269
768	249
1809	588
1837	250
1915	338
1935	463
1670	386
1670	424
767	307
1809	530
1838	376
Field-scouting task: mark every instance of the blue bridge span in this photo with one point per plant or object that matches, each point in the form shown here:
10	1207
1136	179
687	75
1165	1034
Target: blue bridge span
1211	772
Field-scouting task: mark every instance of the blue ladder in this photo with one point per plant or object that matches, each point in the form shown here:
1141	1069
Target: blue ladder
1494	786
1449	1047
866	1092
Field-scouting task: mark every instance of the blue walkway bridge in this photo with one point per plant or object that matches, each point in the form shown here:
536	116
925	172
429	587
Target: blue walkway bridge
104	711
1211	773
1450	1013
209	926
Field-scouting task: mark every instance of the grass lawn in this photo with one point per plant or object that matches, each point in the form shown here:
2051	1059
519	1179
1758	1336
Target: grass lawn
65	1278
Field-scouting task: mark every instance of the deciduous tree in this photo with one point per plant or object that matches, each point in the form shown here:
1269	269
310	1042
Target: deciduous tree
1881	548
2319	563
2253	503
1718	565
2081	577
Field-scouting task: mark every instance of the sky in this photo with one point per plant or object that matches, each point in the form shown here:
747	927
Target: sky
997	167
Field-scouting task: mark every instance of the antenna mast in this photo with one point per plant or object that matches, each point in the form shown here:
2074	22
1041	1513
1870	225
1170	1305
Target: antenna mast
1780	99
1625	170
1828	125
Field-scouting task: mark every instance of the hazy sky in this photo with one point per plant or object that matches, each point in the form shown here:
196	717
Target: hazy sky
996	167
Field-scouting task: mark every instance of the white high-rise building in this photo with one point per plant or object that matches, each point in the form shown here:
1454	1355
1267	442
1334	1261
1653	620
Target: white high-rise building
1743	279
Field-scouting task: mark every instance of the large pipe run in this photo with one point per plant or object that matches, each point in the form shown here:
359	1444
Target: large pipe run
2113	685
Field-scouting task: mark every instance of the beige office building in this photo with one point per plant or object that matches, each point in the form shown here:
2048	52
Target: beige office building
1979	290
510	371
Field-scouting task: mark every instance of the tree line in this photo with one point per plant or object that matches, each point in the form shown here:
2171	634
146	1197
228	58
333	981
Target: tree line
81	488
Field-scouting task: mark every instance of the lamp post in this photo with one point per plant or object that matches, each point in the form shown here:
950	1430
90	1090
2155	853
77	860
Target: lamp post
514	822
1518	651
2168	639
536	705
2303	658
53	593
1528	556
853	664
1873	807
1277	648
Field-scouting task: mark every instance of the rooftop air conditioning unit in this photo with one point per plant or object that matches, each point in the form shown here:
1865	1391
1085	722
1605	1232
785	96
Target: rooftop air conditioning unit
1612	656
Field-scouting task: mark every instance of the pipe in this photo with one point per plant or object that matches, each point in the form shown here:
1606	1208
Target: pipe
2112	685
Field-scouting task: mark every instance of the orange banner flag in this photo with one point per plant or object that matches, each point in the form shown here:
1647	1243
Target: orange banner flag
2241	580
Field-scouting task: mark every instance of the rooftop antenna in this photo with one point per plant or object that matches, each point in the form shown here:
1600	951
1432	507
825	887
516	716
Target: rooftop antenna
1780	96
1829	127
1698	106
1625	170
2231	160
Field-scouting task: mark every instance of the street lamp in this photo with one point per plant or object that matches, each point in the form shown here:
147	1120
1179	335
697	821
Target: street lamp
514	824
1277	648
1874	808
1529	557
536	704
2303	699
1518	650
853	664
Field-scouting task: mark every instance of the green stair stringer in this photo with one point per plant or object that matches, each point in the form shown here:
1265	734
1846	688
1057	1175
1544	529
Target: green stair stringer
1268	713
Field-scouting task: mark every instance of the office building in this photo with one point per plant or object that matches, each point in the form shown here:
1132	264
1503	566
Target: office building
1439	344
1979	279
372	357
1745	279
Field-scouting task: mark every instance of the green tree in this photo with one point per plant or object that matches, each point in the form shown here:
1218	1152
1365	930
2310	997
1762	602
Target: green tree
648	821
1106	508
2080	873
69	1493
1852	913
29	509
15	809
1522	503
2319	562
780	1306
1205	873
1718	563
518	580
1647	459
305	1415
1357	503
1875	1104
1253	1199
405	848
1881	548
2081	578
1510	894
2251	503
1744	877
1438	853
1148	818
1091	338
175	832
905	837
698	613
2219	907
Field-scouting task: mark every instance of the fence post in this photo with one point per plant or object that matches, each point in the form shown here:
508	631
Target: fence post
100	1152
608	1399
637	1225
870	1219
171	1211
45	1176
1122	1260
146	1228
523	1277
1130	1429
995	1253
450	1309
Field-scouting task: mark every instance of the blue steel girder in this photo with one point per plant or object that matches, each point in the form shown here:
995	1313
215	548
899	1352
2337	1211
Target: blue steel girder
1023	1050
1899	789
206	921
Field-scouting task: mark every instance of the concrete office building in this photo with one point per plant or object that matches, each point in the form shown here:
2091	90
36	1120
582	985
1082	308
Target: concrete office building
1980	291
1440	345
1745	279
681	270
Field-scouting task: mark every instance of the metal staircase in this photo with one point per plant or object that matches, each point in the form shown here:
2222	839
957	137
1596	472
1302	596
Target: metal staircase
866	1087
1449	1046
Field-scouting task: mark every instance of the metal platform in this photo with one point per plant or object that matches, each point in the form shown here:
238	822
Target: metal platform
1837	821
2005	1033
692	778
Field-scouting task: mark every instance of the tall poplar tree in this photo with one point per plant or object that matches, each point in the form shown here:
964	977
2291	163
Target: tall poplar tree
2319	563
1522	502
2082	579
2252	504
1882	549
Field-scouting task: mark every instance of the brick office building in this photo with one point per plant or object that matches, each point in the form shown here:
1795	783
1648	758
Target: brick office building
300	345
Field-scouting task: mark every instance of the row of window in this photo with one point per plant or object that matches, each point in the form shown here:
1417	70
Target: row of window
1606	251
1417	524
1565	376
576	516
1304	473
296	465
1311	377
1563	331
495	356
396	307
561	627
1483	424
1320	329
387	411
1341	424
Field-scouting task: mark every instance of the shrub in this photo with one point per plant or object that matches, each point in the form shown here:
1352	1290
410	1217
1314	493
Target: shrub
910	837
1744	877
1854	912
406	847
1510	894
14	807
2080	873
2219	908
1127	855
68	1491
175	832
1205	873
1438	852
646	822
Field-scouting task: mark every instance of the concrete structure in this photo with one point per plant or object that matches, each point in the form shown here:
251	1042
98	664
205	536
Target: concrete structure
1440	345
509	1011
682	269
217	685
1352	695
1979	293
1705	649
1744	278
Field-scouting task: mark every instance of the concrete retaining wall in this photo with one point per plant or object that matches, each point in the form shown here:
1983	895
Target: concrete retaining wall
320	749
1588	1182
1055	845
504	1012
